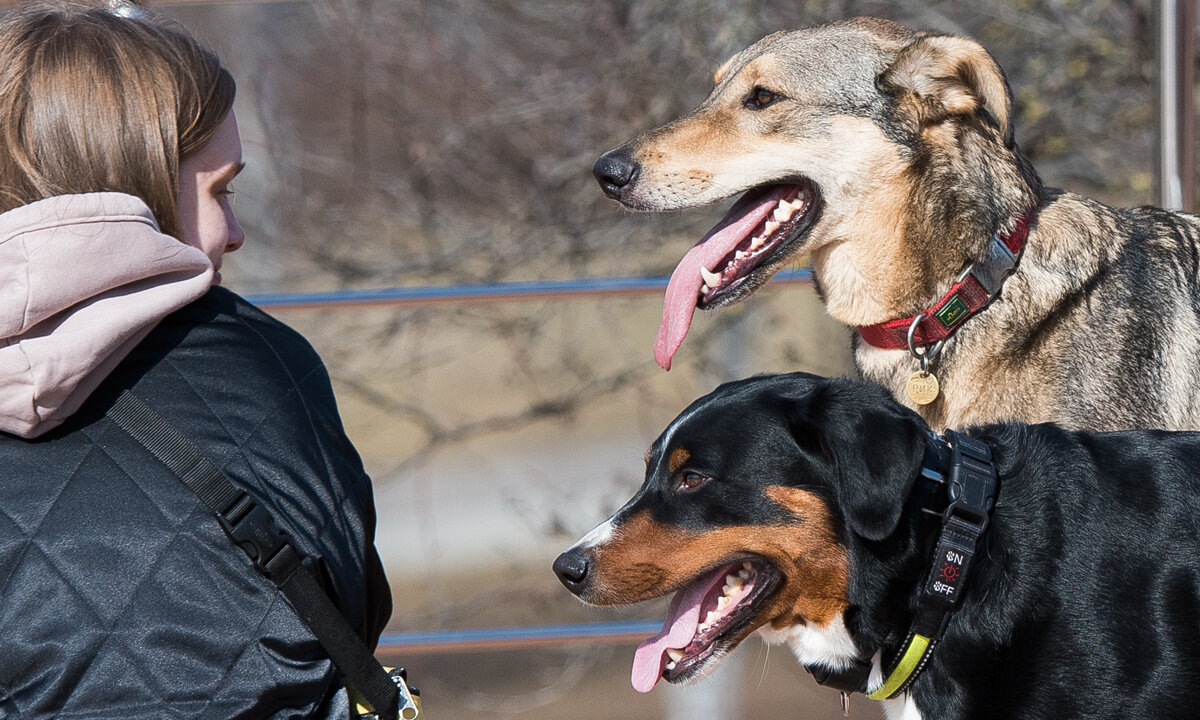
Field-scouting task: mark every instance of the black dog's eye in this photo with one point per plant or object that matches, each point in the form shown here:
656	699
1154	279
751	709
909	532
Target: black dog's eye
760	98
690	482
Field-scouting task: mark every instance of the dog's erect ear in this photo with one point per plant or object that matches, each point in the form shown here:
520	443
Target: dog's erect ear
875	445
942	76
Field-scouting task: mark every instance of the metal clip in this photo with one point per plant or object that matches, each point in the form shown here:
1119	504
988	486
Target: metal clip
929	352
410	697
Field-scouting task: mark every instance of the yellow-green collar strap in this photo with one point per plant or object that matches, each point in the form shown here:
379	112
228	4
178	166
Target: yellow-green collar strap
910	663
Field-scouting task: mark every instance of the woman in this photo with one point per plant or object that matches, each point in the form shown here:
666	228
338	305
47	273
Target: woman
120	596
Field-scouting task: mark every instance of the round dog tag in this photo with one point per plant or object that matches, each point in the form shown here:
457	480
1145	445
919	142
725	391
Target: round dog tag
922	387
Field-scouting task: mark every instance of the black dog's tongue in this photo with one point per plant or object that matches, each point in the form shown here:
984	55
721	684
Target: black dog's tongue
718	594
683	617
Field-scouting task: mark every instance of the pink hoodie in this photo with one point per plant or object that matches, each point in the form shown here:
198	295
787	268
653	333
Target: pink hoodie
83	279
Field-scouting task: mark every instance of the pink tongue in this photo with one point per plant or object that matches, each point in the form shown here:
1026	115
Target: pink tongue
683	617
683	290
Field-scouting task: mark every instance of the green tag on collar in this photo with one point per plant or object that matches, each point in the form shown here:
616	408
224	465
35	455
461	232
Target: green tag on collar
952	312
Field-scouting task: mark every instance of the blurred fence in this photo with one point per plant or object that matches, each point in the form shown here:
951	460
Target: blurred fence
481	294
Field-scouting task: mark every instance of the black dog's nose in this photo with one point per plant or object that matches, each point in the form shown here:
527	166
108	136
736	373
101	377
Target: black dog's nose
572	570
615	170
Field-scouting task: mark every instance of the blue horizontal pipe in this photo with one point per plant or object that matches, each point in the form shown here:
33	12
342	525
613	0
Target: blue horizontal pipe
514	638
495	292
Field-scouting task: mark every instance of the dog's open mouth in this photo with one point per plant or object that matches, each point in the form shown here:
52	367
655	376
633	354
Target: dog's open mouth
739	254
704	618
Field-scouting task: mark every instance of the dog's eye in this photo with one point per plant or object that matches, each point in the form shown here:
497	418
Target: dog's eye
760	98
690	481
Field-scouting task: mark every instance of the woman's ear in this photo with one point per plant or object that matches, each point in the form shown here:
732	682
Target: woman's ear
874	445
940	76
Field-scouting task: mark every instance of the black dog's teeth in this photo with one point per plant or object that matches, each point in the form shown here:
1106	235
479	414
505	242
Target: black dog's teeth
711	626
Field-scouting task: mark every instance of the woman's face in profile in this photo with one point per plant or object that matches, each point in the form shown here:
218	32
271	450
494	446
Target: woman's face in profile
206	218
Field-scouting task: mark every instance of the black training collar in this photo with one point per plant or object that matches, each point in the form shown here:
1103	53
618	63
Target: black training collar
961	476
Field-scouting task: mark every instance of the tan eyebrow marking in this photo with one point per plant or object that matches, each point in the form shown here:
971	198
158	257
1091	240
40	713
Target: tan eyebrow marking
679	456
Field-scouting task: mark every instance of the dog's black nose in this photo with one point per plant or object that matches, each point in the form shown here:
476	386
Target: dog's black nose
615	170
572	570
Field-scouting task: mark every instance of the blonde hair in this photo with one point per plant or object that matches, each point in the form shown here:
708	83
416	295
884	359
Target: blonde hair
91	101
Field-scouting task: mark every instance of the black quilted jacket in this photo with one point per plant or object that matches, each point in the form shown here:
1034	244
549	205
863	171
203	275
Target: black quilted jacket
120	597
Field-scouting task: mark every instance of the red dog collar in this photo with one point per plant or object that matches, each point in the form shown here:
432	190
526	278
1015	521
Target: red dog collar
973	289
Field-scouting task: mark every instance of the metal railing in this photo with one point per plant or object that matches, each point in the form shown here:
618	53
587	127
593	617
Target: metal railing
482	294
512	638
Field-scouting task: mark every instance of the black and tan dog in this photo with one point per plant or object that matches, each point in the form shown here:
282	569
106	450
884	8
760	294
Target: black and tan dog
888	155
801	507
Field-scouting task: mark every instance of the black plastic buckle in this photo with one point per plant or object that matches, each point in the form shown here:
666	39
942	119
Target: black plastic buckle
849	679
253	529
971	485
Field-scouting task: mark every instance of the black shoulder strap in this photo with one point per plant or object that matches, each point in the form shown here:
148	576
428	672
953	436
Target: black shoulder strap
252	528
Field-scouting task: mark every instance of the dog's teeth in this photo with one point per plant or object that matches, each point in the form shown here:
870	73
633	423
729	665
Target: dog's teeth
744	574
757	242
711	617
770	227
747	566
675	655
783	213
670	666
722	603
711	279
739	255
733	580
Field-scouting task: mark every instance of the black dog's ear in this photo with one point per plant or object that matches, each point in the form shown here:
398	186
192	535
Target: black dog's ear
875	446
938	76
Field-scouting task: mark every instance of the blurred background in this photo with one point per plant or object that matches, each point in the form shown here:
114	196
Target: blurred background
401	145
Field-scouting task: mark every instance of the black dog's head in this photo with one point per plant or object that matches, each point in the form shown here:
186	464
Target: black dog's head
754	500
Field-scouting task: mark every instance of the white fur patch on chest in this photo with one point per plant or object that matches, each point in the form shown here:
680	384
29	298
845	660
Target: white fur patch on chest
901	708
826	645
831	646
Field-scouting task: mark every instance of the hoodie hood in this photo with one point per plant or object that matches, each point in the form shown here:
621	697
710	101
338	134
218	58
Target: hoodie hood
83	279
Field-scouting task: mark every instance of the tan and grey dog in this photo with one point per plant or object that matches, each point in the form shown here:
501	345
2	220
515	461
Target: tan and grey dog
888	156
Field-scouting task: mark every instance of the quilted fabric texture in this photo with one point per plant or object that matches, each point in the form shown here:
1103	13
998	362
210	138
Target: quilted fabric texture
120	596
